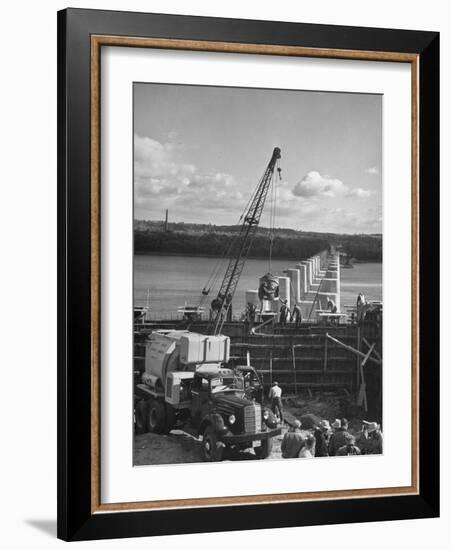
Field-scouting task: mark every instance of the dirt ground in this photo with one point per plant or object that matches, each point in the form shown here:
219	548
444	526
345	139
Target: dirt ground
181	448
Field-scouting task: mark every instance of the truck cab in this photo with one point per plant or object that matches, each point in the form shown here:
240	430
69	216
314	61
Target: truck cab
253	387
225	417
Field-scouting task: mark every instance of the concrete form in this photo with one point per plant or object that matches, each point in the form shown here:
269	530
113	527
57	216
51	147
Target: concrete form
309	282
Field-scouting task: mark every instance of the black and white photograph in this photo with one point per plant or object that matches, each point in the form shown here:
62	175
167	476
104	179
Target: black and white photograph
257	276
224	221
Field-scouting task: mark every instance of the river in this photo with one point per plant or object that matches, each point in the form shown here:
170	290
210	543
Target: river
173	281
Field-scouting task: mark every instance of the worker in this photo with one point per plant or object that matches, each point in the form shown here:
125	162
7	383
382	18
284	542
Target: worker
308	449
283	316
275	395
337	439
349	448
252	311
361	307
331	305
296	315
249	315
292	441
370	440
322	435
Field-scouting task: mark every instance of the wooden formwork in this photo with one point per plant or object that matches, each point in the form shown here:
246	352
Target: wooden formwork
310	358
299	361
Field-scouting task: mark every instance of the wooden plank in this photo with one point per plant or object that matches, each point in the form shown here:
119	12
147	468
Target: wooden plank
294	368
304	359
357	371
325	353
353	350
376	353
362	391
310	371
270	367
321	384
367	356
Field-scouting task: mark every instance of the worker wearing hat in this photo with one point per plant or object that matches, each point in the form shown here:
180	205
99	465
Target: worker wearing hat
275	395
322	435
370	440
284	311
292	441
308	448
349	448
331	305
337	439
296	314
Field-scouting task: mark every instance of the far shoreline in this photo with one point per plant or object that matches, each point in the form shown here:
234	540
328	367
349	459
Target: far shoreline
291	259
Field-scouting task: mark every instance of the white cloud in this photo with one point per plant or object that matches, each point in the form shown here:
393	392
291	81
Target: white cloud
372	170
152	158
163	180
313	184
360	193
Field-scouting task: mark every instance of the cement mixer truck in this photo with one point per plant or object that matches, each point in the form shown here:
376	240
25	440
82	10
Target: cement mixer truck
187	385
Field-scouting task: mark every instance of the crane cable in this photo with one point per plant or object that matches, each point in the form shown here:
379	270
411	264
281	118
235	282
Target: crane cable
273	210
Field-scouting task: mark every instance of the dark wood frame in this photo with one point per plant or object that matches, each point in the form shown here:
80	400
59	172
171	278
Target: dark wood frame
81	34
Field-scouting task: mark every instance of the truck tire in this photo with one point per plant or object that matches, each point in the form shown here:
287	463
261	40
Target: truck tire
211	450
141	410
265	449
170	418
156	418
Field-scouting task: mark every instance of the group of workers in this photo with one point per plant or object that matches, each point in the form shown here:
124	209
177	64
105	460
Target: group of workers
325	439
286	315
295	316
331	440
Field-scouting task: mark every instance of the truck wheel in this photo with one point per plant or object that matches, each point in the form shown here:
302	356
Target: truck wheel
156	419
170	419
212	451
265	449
140	417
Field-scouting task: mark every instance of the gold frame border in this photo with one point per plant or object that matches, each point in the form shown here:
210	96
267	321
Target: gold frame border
97	41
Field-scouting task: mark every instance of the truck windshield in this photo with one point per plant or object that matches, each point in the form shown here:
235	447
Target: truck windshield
227	384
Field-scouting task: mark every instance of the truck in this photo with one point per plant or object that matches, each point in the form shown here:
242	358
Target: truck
187	384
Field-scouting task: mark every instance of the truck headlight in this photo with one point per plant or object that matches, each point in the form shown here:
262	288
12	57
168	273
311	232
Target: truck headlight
232	419
266	415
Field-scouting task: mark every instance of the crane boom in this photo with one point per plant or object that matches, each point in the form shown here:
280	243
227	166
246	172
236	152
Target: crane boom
240	247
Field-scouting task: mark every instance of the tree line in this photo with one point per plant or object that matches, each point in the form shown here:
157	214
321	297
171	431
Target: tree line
206	240
214	244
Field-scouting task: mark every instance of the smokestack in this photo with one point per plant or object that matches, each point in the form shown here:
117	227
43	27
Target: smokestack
166	220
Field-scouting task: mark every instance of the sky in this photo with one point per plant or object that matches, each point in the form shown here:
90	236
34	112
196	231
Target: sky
199	151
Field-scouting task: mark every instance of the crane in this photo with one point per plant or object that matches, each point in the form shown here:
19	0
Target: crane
241	245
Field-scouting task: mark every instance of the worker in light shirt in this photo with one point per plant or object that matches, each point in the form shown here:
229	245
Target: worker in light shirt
275	395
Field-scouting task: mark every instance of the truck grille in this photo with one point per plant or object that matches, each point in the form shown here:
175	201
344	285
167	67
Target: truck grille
252	418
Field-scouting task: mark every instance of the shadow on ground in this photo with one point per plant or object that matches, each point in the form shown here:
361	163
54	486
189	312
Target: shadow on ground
46	526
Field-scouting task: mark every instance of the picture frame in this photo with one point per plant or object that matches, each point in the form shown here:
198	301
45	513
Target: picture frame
81	36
